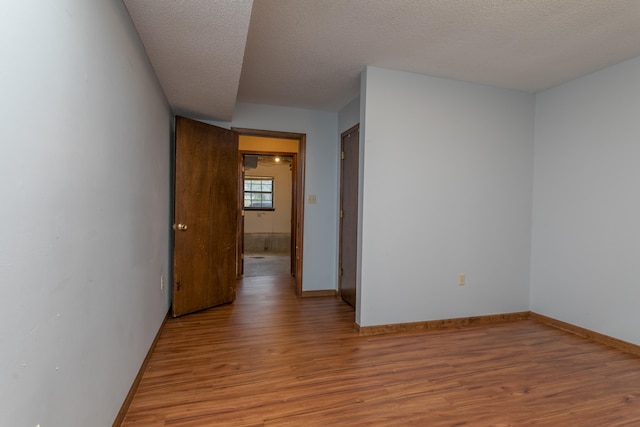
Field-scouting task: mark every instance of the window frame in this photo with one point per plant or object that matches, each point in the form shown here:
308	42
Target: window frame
272	193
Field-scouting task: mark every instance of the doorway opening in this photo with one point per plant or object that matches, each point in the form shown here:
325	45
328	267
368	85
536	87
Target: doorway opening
271	198
267	204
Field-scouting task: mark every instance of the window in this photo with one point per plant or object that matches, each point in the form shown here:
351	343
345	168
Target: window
258	193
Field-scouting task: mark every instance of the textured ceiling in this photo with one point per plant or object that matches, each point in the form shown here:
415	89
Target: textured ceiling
309	53
196	48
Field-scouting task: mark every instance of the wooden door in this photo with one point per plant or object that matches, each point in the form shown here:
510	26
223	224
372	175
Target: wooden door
206	201
349	215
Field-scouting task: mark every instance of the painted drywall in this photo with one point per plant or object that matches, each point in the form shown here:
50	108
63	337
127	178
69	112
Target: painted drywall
586	207
321	177
85	206
279	219
447	188
262	144
349	116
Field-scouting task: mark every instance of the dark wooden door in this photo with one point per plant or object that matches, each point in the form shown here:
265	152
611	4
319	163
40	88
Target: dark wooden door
206	216
349	215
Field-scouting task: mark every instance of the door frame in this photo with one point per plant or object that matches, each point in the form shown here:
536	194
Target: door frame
344	136
297	205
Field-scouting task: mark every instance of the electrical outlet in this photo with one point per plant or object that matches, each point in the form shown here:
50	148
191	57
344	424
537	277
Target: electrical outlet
162	282
312	199
461	279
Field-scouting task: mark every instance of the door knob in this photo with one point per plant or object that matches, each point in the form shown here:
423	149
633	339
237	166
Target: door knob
180	227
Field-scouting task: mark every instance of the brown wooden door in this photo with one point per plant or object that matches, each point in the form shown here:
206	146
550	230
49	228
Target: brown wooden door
206	203
349	215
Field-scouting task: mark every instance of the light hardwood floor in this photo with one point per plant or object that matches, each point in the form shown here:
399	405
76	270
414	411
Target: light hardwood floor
270	359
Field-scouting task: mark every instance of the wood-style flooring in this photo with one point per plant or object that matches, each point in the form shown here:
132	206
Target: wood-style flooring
270	359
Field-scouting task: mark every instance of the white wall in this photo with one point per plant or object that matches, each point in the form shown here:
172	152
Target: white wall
321	175
447	190
586	206
85	211
279	219
349	116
